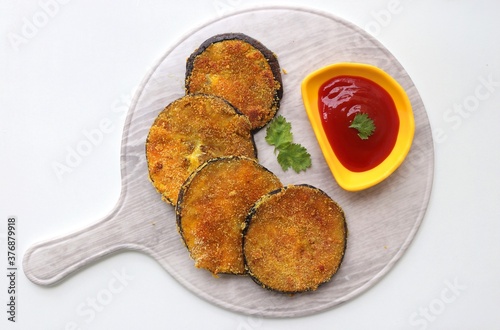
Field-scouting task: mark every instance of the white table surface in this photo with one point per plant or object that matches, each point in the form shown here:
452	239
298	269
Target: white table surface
69	67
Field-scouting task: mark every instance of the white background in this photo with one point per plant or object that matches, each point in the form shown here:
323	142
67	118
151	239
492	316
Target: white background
65	66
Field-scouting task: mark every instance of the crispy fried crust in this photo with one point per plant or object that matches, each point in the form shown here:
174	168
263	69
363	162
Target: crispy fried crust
212	207
190	131
241	70
294	239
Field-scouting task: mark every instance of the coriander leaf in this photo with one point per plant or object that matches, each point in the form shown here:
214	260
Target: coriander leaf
295	156
279	132
364	125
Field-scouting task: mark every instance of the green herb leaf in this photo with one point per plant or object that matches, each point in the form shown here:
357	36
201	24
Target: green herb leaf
279	132
364	125
295	156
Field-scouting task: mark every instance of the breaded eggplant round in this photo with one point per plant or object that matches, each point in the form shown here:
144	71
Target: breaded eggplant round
212	207
241	70
189	131
294	239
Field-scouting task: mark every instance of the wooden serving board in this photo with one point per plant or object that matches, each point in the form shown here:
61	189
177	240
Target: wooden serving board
382	220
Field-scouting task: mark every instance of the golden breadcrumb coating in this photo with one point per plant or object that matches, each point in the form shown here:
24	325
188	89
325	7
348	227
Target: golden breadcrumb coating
212	207
241	74
295	239
190	131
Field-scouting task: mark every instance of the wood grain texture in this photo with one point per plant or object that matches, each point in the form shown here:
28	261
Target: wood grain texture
382	220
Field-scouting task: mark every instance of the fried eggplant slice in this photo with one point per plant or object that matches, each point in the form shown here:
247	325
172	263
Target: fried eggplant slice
294	239
212	207
241	70
189	131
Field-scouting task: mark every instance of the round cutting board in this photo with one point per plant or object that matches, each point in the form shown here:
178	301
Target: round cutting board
382	220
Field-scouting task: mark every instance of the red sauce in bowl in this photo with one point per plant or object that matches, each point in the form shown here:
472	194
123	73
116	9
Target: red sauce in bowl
339	100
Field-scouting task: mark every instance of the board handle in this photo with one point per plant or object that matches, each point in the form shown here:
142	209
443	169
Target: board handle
51	261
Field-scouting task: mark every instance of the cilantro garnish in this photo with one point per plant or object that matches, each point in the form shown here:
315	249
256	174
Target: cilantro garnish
364	125
279	134
295	156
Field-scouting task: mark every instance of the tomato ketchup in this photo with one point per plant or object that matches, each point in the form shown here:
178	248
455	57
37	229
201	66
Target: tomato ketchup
340	99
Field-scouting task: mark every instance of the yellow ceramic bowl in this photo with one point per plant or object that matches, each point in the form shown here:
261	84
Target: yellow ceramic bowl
348	180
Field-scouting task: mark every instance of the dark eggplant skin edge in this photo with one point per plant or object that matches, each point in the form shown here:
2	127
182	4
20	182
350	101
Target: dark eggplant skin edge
187	183
268	54
238	112
247	224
